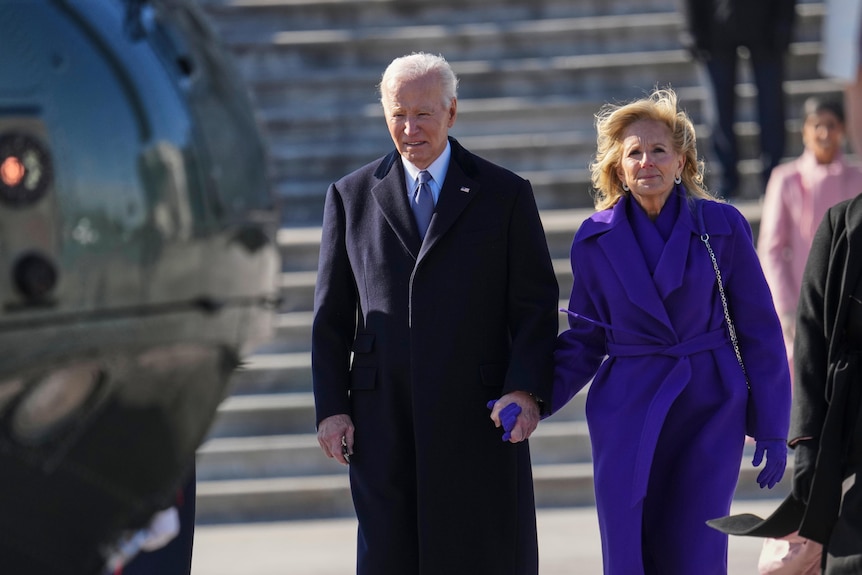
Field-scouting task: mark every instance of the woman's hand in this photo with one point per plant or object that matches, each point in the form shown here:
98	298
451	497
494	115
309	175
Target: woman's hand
776	460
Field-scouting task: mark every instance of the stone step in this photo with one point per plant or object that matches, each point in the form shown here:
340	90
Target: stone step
292	333
264	414
273	456
557	190
242	18
278	499
588	76
300	247
565	187
265	373
560	227
522	153
299	295
326	496
300	51
591	76
510	55
276	414
303	41
508	115
297	290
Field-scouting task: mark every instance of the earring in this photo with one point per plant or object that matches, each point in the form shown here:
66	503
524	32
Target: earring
677	180
626	188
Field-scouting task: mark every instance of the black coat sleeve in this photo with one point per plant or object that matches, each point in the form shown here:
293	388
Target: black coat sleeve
811	344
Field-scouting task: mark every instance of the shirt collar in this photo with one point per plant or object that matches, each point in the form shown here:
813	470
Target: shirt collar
437	169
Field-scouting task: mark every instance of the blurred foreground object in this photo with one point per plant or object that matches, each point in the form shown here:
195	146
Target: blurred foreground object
137	265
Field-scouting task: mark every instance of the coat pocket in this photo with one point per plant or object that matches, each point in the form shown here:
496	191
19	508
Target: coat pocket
363	372
364	343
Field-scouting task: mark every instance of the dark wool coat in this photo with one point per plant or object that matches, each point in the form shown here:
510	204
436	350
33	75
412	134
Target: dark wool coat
668	409
826	402
435	330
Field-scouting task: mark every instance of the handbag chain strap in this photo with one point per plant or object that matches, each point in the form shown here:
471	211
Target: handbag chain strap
704	237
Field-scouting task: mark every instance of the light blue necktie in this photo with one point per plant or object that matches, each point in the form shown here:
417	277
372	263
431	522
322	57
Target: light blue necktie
422	203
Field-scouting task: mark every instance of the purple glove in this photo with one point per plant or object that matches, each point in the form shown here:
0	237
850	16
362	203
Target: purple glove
508	417
776	459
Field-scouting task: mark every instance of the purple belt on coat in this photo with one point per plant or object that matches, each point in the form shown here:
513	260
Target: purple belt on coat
672	385
670	388
703	342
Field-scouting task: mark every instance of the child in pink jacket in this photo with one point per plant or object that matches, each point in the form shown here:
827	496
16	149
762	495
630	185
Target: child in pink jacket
797	196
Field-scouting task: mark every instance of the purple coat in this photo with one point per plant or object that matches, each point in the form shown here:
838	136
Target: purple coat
667	409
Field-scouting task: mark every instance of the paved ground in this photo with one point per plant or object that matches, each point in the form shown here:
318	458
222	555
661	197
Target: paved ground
568	543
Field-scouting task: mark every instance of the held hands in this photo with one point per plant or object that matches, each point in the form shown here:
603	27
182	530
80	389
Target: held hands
518	413
508	416
776	459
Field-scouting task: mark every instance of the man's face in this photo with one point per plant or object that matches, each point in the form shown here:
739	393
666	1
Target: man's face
418	119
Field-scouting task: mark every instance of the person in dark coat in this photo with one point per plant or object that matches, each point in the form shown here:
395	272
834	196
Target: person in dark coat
825	503
668	406
413	337
827	395
713	32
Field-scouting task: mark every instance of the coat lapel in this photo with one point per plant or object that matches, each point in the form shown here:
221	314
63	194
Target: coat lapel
625	257
458	190
670	271
391	197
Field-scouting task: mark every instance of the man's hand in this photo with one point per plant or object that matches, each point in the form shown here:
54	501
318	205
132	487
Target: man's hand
527	420
335	435
508	416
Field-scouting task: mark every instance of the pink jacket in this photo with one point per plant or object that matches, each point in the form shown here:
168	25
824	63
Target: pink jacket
797	196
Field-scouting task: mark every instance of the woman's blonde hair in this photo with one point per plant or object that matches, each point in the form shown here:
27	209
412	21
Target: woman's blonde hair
612	121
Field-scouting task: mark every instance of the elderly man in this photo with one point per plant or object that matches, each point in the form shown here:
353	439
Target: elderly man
435	296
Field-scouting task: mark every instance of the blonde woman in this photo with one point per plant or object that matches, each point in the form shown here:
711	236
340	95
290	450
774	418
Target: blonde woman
667	407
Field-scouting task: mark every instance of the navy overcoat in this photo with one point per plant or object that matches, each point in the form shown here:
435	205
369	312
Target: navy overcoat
435	330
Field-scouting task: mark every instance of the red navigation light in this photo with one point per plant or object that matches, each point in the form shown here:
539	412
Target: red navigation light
12	171
25	169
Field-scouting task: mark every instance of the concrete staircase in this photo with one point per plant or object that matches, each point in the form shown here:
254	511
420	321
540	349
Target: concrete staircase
532	73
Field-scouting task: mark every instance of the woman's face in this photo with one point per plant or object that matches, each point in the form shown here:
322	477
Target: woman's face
649	162
823	134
